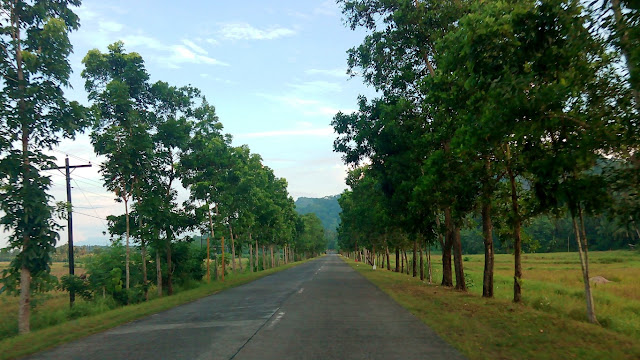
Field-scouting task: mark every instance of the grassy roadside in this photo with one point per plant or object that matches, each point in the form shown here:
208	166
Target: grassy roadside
39	340
498	328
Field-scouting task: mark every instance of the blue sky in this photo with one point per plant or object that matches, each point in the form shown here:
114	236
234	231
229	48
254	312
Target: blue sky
275	71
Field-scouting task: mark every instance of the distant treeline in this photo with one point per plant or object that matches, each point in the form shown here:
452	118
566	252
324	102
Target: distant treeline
546	234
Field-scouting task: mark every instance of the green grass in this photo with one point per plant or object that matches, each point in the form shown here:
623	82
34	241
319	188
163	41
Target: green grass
549	324
48	337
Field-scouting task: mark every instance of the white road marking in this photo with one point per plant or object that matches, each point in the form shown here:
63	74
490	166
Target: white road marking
276	320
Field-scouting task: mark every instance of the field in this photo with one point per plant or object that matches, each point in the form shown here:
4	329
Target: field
553	283
552	315
51	307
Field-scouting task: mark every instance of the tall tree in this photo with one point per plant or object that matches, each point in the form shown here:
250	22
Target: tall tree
117	84
34	116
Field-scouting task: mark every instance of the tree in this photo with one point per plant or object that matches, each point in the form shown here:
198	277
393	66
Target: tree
395	58
205	160
545	97
173	112
117	84
33	117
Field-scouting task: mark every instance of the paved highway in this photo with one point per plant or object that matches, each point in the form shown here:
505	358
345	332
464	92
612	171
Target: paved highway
322	309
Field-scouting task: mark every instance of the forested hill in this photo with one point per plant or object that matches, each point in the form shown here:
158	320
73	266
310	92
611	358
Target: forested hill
326	208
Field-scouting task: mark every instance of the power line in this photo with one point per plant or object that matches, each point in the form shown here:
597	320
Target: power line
71	155
96	217
86	178
86	198
97	194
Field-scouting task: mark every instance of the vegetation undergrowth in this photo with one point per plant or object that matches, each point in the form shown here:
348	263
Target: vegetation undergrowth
498	328
42	339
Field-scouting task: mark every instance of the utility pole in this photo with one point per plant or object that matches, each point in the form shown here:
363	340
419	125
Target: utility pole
68	169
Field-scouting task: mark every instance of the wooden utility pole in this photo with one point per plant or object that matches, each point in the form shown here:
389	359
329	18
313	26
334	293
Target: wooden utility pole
68	169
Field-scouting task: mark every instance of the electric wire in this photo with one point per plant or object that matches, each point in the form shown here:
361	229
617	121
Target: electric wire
89	202
72	155
92	216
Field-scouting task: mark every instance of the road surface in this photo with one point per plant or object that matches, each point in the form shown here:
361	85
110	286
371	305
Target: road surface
322	309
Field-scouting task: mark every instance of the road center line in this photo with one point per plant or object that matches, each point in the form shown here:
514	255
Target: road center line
276	320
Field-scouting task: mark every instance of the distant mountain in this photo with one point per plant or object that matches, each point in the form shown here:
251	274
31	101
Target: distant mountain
326	208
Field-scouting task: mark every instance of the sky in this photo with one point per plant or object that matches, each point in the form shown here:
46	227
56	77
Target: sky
274	70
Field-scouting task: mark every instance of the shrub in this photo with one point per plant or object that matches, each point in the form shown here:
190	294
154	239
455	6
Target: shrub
78	284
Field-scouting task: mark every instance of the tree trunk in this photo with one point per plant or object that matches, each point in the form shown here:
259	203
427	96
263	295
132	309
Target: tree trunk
257	258
223	263
126	257
250	253
215	268
388	263
239	256
373	257
264	258
24	310
517	241
402	261
421	264
143	250
406	260
429	278
208	246
233	250
169	265
158	273
397	260
273	262
457	260
447	274
415	256
584	263
208	259
487	232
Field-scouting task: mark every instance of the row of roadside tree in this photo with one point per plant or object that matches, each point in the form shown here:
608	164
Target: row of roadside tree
154	137
501	111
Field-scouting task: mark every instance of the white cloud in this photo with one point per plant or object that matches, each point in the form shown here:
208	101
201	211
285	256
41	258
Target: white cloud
194	47
341	73
306	107
326	131
143	41
290	100
84	13
173	56
212	41
327	8
304	124
110	26
244	31
317	87
298	14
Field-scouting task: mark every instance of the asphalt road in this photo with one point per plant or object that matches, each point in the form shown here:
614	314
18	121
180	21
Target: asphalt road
322	309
